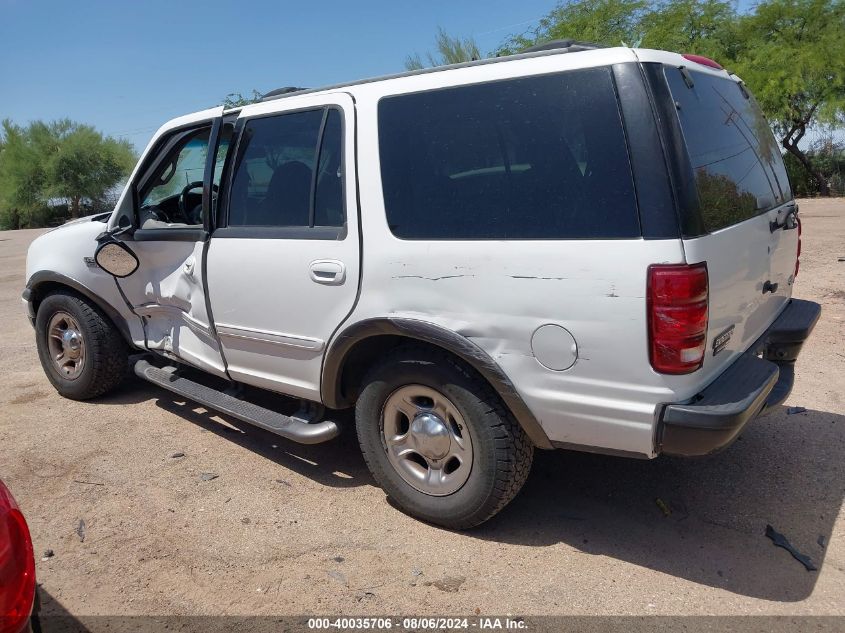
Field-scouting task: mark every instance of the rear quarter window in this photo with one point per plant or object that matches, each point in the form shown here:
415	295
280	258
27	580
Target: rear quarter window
540	157
739	171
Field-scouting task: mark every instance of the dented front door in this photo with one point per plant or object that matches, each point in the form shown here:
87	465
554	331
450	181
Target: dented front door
174	193
168	293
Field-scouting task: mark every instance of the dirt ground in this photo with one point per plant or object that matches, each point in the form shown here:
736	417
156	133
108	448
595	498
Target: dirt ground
286	529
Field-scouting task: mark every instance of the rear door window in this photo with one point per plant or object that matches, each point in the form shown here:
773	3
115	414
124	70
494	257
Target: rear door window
540	157
272	183
738	166
289	171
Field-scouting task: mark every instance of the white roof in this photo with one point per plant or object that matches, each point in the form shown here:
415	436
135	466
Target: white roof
457	74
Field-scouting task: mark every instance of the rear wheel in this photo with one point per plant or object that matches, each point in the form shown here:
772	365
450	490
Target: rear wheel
80	349
438	440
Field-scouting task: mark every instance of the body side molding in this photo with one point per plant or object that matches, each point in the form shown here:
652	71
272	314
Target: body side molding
453	342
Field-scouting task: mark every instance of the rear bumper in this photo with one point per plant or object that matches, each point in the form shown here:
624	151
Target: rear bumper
751	386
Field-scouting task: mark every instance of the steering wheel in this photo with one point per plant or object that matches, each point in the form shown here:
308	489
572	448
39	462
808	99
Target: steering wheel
183	202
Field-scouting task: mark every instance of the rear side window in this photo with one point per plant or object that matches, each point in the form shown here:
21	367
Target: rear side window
532	158
739	170
288	172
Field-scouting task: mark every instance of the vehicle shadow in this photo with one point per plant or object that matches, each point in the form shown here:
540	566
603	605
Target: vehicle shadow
337	463
54	617
703	519
50	615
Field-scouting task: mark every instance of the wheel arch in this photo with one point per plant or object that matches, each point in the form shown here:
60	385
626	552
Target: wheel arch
44	283
363	341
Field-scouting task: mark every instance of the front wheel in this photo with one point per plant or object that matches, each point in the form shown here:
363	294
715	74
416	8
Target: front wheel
80	349
438	439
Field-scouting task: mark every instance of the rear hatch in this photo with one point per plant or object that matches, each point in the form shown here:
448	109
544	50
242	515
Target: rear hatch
750	233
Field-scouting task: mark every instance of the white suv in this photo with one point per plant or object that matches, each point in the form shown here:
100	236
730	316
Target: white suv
589	249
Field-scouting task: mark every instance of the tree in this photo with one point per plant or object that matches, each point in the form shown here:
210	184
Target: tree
607	22
86	165
794	62
22	176
237	100
450	50
62	159
827	156
700	26
704	27
790	53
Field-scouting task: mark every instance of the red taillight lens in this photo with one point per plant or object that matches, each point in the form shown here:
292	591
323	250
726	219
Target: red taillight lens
17	566
798	256
704	61
677	317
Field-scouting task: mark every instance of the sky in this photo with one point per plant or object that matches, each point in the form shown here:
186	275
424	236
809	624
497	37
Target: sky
127	67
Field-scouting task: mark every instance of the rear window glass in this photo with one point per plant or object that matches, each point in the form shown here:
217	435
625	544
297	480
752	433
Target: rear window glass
531	158
738	166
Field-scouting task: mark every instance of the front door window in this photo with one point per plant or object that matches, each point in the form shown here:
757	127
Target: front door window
173	196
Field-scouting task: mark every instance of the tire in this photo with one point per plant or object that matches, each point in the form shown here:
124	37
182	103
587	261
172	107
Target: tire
104	357
501	453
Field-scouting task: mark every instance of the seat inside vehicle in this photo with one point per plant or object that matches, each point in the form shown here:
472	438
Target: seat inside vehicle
287	200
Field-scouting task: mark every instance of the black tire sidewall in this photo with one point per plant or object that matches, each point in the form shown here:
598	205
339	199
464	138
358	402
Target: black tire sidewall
459	387
85	384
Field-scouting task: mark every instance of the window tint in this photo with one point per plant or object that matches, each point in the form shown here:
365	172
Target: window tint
738	167
328	203
274	182
534	158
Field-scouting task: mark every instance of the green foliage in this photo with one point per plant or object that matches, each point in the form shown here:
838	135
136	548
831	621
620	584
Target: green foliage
704	27
608	22
793	58
237	100
22	176
86	165
44	162
828	157
450	50
791	53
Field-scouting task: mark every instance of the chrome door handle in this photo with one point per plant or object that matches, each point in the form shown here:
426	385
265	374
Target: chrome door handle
329	272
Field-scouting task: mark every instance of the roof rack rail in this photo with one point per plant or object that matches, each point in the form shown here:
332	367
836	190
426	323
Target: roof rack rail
555	47
281	91
569	46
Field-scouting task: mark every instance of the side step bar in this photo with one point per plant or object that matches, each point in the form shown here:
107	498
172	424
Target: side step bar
283	425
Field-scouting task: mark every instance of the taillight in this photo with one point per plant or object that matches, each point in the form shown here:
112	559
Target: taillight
17	566
798	256
677	317
704	61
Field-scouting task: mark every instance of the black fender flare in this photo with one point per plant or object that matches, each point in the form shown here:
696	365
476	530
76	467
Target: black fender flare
38	280
449	340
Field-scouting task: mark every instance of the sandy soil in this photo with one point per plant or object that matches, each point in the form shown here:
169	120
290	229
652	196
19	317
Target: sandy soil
286	529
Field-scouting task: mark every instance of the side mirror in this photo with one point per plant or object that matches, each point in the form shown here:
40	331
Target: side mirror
116	259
